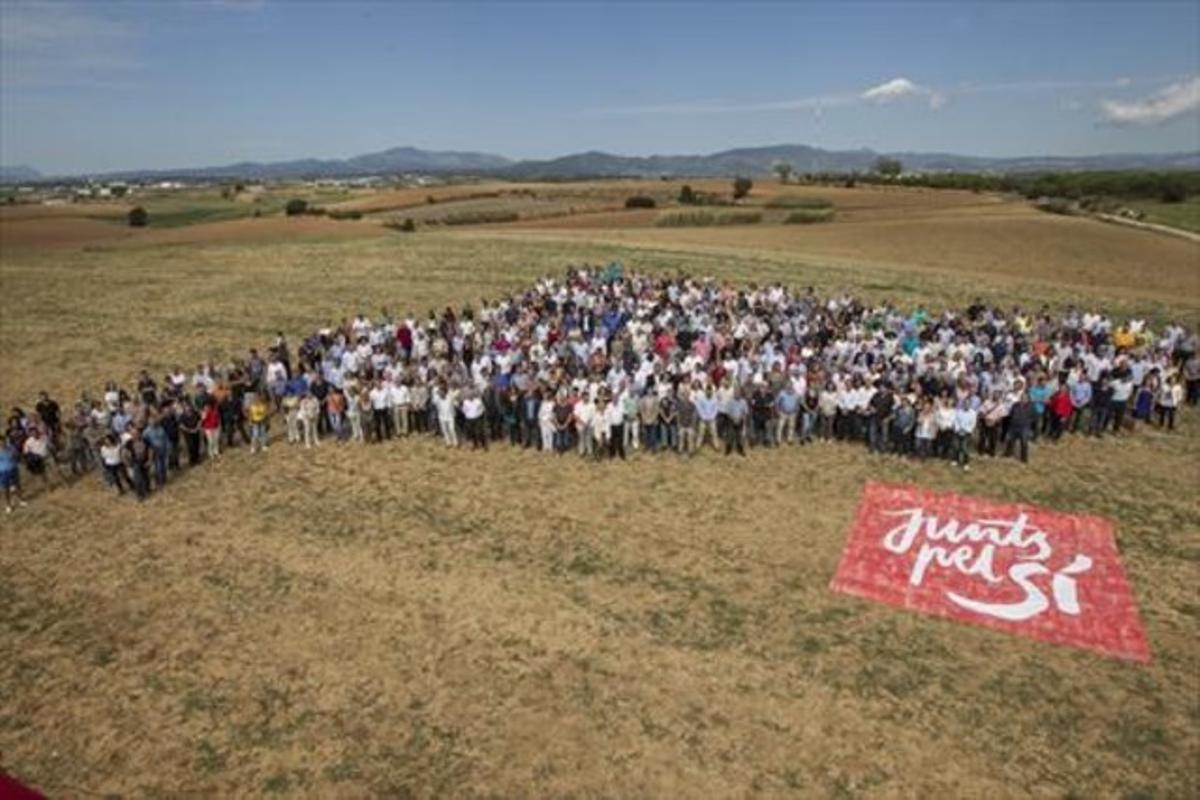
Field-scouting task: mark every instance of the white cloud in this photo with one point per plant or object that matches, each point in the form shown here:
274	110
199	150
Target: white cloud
892	90
904	89
1169	103
898	88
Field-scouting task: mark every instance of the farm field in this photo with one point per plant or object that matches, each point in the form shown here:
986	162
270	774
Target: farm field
404	620
1185	215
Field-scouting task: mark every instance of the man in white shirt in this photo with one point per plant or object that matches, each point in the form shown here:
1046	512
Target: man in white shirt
585	417
400	398
473	409
443	401
381	403
965	420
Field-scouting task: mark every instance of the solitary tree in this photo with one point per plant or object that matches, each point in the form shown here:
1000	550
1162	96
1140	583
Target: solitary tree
138	217
888	166
686	196
784	171
295	207
741	187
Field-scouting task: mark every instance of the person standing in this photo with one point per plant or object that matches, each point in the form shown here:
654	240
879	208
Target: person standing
189	427
585	419
615	416
1080	396
944	416
965	420
443	400
926	429
1191	377
1022	422
473	408
257	413
668	420
545	412
400	397
156	437
356	404
1170	396
648	411
1122	390
381	400
787	407
113	464
137	460
36	449
10	476
310	415
879	418
291	414
736	411
335	410
707	409
51	416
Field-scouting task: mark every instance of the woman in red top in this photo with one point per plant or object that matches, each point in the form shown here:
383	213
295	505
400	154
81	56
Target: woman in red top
1060	410
210	423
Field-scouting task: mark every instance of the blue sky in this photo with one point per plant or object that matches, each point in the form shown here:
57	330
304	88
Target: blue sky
116	85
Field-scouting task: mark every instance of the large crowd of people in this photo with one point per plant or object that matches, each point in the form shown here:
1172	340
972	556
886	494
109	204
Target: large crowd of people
604	364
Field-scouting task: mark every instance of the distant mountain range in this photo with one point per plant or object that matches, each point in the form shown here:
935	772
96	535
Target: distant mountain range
19	174
727	163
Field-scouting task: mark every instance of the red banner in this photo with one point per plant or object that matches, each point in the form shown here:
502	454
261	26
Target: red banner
11	790
1026	570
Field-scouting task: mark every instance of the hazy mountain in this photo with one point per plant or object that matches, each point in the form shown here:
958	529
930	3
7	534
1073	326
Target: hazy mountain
18	174
802	158
594	163
386	162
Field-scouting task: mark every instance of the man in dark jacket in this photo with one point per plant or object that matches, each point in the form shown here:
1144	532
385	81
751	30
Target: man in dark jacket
1021	418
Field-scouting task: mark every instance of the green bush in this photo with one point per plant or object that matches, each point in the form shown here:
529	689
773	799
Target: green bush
481	217
1173	191
138	218
687	197
741	187
796	201
807	216
295	207
407	226
701	219
640	201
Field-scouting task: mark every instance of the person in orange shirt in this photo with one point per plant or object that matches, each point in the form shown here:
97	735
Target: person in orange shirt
1123	338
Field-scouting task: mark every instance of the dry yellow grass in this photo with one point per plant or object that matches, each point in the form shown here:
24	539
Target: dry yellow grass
406	621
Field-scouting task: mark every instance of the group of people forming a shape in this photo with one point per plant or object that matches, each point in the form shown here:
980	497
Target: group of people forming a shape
603	363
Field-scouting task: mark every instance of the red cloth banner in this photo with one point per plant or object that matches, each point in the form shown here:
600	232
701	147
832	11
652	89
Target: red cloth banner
1022	569
11	790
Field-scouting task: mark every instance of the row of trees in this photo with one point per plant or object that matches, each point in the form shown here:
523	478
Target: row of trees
1168	187
884	165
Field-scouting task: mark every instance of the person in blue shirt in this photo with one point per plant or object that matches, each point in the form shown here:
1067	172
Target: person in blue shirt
1081	398
10	476
1039	395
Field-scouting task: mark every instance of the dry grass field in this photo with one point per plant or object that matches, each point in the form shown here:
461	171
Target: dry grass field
406	621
